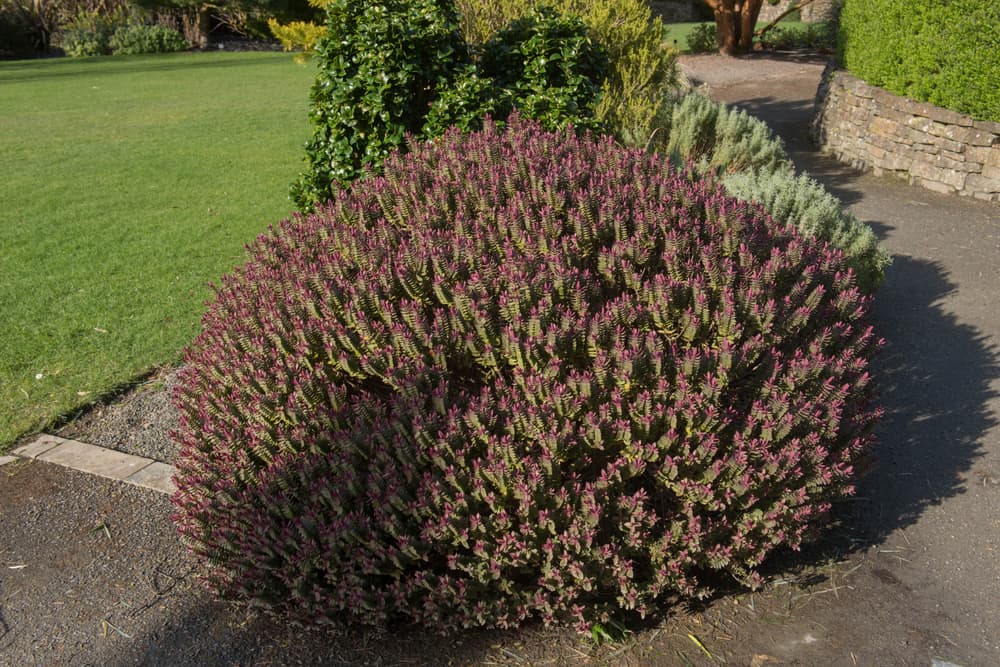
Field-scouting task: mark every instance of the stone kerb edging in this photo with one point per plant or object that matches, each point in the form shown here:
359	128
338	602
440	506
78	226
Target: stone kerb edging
941	150
100	461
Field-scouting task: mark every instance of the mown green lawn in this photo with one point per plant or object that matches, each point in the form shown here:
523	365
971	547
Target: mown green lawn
129	183
677	33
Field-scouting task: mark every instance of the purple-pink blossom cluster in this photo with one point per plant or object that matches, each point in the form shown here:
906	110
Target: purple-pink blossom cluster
522	374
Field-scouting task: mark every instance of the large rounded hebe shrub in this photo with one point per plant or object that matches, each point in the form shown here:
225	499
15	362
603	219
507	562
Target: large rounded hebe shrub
522	374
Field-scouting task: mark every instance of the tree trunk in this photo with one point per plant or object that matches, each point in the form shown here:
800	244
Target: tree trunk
748	22
734	22
41	15
727	28
195	24
204	25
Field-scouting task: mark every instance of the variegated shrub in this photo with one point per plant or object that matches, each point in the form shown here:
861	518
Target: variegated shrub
522	374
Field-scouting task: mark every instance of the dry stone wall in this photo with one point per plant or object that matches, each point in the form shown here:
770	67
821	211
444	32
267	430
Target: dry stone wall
675	11
871	128
819	10
680	11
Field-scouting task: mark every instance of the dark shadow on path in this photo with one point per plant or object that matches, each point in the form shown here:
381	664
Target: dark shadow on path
790	120
212	633
934	373
936	376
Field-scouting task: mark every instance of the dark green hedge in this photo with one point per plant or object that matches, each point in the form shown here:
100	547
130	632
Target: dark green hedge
943	52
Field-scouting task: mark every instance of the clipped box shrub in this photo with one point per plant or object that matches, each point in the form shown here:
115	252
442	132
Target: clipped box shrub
549	67
543	64
790	34
703	38
945	53
381	65
813	36
521	375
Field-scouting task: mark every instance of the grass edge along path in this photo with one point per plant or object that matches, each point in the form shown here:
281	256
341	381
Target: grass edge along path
130	184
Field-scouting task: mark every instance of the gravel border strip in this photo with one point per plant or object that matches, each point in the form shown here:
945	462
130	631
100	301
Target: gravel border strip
101	461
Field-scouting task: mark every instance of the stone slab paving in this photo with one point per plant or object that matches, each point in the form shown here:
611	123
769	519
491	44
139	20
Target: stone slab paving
38	446
99	461
95	460
157	476
4	460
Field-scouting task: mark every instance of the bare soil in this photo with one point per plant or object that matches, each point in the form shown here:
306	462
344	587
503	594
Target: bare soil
92	573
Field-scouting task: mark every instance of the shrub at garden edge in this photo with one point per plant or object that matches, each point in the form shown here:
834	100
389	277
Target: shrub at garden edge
397	68
521	375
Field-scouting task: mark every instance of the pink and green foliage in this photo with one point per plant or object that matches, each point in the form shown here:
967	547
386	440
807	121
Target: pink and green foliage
522	374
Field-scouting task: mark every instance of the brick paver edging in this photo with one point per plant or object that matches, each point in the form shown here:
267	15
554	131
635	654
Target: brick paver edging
95	460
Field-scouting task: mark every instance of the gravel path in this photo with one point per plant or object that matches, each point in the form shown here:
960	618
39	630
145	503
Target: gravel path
138	422
92	574
928	510
714	70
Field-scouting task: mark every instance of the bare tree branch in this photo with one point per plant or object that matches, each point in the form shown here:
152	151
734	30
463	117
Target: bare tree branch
792	8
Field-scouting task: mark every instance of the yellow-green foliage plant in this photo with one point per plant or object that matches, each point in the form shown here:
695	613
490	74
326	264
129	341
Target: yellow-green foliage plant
301	36
636	100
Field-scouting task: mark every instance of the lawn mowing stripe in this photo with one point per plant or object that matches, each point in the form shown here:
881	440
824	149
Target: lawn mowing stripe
131	183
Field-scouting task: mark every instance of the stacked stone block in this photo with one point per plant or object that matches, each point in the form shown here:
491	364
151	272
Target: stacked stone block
939	149
819	10
679	11
675	11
